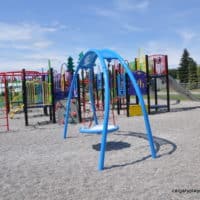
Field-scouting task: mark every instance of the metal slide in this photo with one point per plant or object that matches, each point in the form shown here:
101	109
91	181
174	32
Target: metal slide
178	88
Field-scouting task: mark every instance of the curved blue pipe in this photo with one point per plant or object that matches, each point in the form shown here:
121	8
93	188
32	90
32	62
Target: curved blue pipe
141	101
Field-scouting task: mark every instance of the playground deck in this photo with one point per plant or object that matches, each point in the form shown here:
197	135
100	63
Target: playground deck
36	163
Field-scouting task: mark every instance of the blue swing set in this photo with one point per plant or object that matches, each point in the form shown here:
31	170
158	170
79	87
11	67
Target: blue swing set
88	62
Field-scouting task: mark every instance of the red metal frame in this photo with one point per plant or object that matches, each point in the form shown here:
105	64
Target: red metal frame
5	109
162	68
19	73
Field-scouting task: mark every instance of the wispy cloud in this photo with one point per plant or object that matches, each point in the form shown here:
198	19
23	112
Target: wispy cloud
131	5
13	32
105	12
121	6
37	60
42	44
131	28
186	35
28	45
26	35
23	31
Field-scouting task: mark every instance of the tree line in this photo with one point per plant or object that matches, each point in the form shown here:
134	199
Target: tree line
188	72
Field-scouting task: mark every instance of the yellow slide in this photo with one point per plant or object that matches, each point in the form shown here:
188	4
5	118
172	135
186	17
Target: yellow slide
16	110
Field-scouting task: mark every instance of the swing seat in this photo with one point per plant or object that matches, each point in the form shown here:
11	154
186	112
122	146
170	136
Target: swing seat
97	129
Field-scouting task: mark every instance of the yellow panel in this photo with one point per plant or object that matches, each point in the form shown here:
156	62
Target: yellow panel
135	110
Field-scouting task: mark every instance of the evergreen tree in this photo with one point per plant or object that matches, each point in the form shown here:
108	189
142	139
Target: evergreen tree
193	78
183	70
173	73
70	64
80	56
198	71
198	74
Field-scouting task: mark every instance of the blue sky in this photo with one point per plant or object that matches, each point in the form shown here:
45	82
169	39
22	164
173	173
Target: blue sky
33	31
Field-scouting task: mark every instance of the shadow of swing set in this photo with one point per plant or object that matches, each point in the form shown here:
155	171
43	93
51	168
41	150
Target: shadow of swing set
88	63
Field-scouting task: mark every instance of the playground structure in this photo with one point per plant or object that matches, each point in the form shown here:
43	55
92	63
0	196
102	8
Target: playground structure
122	91
147	73
87	63
157	70
39	89
26	90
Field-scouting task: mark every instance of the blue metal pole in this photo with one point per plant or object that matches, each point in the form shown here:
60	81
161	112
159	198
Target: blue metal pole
141	100
68	104
106	111
92	95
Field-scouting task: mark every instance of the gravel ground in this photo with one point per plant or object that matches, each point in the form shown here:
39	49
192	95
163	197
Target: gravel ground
37	163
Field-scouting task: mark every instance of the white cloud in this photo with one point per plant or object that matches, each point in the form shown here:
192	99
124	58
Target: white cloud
23	31
131	28
34	61
45	56
42	44
14	32
131	5
27	45
26	35
105	12
121	6
58	25
186	35
39	59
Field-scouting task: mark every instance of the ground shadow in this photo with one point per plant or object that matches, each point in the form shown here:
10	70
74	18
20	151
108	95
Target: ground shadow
112	146
120	145
180	109
184	108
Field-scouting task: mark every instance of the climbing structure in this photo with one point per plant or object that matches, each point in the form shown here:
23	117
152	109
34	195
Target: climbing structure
27	90
88	62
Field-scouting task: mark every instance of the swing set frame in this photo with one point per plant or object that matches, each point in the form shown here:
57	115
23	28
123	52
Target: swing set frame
88	62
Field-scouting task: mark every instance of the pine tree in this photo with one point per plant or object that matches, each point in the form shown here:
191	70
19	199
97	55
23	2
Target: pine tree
198	74
193	78
80	56
70	64
183	70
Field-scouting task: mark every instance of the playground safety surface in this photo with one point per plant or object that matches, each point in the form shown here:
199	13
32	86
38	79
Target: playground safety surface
37	163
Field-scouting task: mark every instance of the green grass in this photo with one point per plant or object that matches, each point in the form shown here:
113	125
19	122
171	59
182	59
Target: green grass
177	96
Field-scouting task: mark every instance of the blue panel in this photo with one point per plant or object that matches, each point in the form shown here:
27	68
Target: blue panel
88	60
121	85
141	78
75	91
